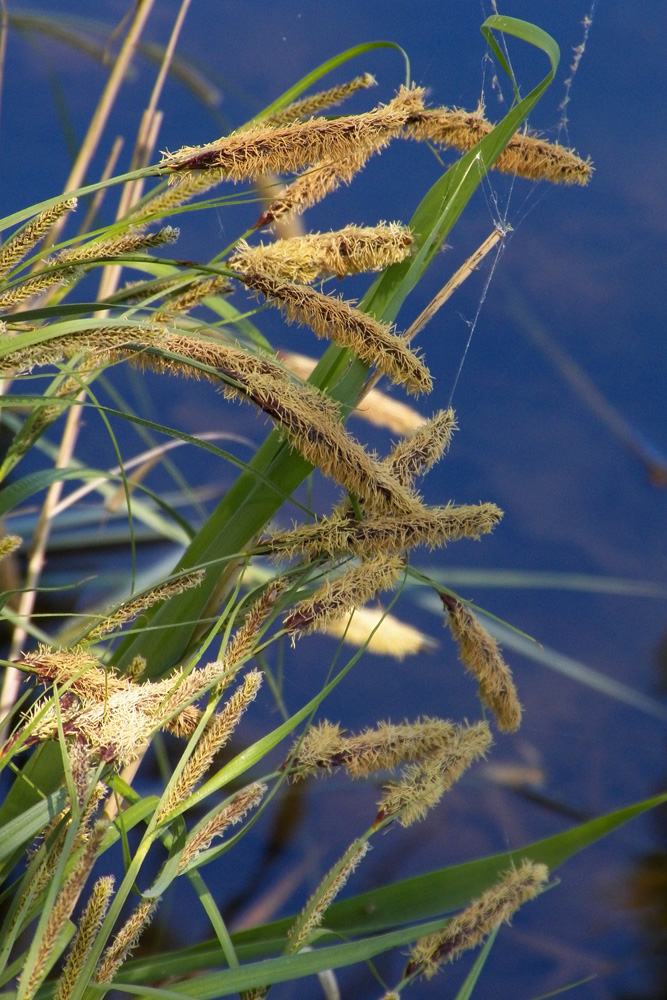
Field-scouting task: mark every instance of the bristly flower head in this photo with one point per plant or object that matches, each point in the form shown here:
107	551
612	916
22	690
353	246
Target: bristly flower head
468	929
480	654
351	250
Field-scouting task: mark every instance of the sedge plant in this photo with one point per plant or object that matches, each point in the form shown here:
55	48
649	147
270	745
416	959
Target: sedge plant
185	654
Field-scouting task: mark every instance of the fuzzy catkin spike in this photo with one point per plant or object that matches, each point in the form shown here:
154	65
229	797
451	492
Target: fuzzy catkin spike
342	595
332	883
89	924
116	246
416	454
241	645
188	298
125	941
376	407
308	106
332	318
524	156
130	610
351	250
35	285
480	654
430	526
495	906
18	245
423	785
257	152
9	544
325	746
64	904
232	812
217	732
312	186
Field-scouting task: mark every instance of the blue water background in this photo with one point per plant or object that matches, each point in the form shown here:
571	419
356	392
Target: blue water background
589	266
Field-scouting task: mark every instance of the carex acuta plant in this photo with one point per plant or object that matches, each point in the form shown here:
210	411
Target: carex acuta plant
186	655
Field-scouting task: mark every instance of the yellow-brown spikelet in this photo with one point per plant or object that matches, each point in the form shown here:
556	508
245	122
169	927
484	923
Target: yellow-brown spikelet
113	715
305	258
376	407
313	185
134	607
9	544
524	156
310	105
97	342
125	941
495	906
313	913
183	188
17	246
423	785
430	526
416	454
251	154
323	441
242	643
89	924
332	318
116	246
480	654
218	730
340	596
188	298
230	813
36	284
64	904
381	633
325	746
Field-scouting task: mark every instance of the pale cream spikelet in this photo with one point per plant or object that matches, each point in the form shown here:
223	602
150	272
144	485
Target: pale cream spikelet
524	156
17	246
480	654
423	785
495	906
254	153
416	454
89	924
230	813
218	731
325	746
113	715
313	913
241	645
351	250
128	611
186	299
65	902
376	407
116	246
9	544
338	597
313	185
430	526
307	106
332	318
125	941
